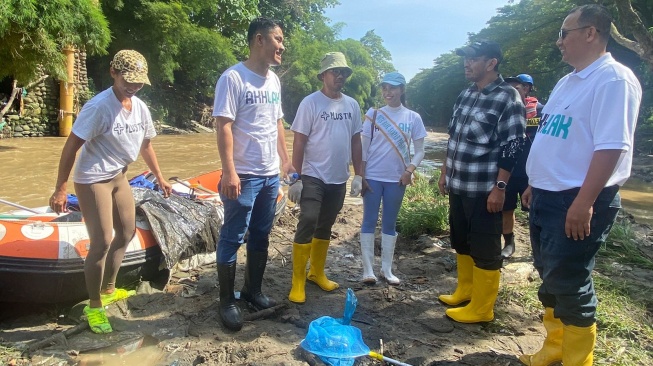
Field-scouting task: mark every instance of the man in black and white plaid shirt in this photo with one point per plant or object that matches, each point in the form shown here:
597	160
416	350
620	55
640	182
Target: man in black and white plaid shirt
486	133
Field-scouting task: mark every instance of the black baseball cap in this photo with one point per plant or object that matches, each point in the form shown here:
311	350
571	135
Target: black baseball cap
488	49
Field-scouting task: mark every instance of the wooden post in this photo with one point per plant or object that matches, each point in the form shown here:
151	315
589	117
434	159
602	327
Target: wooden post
66	94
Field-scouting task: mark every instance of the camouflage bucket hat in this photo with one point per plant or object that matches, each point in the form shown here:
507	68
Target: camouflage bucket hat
132	66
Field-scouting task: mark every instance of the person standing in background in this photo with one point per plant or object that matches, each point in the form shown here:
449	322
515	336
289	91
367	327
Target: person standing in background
518	178
388	167
111	129
581	155
327	136
247	110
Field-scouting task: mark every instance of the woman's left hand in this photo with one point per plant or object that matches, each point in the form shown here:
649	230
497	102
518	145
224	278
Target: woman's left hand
406	178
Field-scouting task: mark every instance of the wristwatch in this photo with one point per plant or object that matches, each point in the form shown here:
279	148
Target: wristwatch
501	185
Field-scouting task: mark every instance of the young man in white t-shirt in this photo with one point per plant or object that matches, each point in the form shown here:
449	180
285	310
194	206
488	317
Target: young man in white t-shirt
248	114
581	155
327	136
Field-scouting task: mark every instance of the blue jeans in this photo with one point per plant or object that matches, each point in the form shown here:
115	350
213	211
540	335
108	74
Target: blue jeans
564	264
391	193
253	210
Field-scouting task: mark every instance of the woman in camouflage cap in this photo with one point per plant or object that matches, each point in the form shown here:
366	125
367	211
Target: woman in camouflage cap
111	129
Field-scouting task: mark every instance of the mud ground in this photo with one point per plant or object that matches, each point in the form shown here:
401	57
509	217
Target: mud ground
180	325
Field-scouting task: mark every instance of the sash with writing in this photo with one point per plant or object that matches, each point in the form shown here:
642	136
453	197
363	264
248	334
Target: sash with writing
393	135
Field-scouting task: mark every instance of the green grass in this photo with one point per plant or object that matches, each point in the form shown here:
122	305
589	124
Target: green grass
625	335
424	210
525	296
622	246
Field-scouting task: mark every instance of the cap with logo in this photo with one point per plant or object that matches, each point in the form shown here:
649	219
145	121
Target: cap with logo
393	78
333	60
488	49
131	65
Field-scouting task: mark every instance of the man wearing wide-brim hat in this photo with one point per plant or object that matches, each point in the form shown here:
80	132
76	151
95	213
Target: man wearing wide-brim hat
327	136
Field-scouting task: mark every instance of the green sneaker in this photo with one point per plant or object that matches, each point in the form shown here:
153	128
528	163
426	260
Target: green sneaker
117	295
97	320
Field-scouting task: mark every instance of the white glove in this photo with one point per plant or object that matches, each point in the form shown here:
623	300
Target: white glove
295	191
356	186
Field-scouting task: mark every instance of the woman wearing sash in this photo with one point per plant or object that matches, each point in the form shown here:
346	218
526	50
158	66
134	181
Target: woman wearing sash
386	138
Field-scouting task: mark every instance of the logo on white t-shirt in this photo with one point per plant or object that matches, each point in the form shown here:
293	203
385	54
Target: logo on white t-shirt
556	125
336	116
262	97
129	128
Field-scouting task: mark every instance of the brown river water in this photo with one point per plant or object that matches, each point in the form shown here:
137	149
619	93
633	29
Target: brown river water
28	167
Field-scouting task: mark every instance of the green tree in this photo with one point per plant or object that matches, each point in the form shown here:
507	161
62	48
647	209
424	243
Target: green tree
301	63
363	83
186	44
527	32
381	57
33	33
432	92
296	14
633	17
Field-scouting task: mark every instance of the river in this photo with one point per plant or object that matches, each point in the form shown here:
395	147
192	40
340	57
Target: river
28	167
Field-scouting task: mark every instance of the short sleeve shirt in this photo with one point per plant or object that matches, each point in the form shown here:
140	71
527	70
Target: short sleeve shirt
383	162
330	125
253	102
590	110
113	136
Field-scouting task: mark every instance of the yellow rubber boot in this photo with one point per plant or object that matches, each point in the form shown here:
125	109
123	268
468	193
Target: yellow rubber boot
484	295
300	254
578	345
464	288
319	248
551	351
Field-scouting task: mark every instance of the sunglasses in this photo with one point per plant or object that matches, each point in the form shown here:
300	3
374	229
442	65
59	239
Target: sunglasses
340	71
563	32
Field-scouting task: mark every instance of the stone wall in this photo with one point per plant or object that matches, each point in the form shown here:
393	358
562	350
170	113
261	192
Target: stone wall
40	105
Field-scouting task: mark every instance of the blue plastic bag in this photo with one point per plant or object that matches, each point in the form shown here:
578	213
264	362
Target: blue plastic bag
334	341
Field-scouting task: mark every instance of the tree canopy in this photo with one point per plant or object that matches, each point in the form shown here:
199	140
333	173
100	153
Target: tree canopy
33	32
527	32
189	43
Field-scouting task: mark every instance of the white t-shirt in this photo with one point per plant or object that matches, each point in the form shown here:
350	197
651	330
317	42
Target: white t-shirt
594	109
253	102
113	136
383	162
330	125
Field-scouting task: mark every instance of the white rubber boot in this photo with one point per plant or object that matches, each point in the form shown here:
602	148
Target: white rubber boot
367	256
387	255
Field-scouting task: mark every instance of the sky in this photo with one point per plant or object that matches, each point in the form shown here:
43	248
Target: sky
415	32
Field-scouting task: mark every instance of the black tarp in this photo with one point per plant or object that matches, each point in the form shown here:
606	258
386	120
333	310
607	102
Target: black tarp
182	227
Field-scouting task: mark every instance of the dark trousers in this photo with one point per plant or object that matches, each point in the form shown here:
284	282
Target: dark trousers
564	264
319	207
475	231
